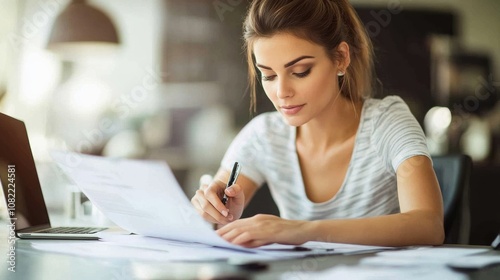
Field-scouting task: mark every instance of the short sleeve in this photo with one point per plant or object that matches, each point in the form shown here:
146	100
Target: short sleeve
246	148
397	135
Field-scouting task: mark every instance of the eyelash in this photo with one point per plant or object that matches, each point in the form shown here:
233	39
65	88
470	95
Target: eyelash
267	78
299	75
303	74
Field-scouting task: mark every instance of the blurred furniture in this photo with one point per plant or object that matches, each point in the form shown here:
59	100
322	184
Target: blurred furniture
484	203
453	173
206	81
404	53
261	203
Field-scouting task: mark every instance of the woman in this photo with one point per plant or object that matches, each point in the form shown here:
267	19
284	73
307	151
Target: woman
341	167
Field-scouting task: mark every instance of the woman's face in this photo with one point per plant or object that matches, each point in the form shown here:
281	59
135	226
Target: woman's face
298	77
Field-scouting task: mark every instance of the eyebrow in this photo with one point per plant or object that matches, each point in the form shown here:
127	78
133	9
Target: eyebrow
288	64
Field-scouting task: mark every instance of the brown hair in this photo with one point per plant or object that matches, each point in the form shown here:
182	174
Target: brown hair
323	22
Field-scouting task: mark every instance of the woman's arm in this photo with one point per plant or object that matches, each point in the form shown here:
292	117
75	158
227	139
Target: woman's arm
420	221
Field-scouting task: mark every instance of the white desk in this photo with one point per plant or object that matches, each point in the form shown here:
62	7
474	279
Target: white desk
34	264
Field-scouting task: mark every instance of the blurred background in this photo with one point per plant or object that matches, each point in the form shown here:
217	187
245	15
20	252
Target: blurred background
167	80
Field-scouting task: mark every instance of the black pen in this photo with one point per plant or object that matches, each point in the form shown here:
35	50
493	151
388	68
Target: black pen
232	179
301	249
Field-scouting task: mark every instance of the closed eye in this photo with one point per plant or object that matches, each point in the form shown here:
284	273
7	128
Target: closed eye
303	74
268	78
299	75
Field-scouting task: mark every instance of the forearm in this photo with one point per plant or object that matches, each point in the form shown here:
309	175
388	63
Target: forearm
404	229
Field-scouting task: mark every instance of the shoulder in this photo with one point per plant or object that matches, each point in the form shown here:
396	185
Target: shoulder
388	111
395	132
387	104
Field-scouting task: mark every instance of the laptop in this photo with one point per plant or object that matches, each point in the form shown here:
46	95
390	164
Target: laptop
22	191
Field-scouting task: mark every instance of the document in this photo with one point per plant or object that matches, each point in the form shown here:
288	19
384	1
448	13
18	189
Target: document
377	273
142	197
273	251
140	248
425	256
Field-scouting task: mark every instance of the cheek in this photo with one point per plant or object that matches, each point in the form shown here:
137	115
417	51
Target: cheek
326	83
323	88
269	90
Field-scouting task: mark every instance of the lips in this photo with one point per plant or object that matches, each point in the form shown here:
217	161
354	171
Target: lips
291	109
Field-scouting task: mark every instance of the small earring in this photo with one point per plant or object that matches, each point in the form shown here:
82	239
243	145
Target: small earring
341	74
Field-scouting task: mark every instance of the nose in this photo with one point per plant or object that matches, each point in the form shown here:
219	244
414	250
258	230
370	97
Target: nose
284	89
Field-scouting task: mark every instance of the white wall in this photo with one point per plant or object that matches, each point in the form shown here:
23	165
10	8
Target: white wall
7	21
36	73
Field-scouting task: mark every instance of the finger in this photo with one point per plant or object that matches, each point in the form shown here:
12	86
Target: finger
255	243
235	192
244	237
227	228
232	234
202	213
209	209
213	196
252	239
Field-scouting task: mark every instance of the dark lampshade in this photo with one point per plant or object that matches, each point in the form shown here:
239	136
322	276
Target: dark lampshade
81	29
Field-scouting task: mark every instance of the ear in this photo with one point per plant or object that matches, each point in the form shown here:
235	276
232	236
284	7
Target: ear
344	56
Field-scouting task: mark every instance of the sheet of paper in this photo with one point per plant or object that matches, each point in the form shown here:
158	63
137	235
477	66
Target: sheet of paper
274	251
377	273
426	256
475	261
100	250
182	251
140	196
147	251
321	248
443	253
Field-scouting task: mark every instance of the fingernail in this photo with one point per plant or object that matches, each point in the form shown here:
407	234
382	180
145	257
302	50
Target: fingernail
224	213
230	217
230	190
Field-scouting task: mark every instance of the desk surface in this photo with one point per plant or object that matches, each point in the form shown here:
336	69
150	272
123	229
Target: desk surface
34	264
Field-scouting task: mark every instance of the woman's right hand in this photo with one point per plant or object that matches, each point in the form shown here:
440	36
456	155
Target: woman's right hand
208	202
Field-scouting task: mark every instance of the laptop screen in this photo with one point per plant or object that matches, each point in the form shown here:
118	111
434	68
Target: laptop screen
21	186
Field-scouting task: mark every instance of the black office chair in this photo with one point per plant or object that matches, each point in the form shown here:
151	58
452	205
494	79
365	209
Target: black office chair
261	203
453	173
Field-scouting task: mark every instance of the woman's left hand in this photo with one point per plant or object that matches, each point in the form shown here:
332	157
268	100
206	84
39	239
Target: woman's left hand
262	230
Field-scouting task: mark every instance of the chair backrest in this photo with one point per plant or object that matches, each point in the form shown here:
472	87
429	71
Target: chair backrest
453	173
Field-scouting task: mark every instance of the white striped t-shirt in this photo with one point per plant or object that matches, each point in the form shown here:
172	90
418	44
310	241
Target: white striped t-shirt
387	135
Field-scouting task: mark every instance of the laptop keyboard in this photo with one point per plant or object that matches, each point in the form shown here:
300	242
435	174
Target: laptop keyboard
72	230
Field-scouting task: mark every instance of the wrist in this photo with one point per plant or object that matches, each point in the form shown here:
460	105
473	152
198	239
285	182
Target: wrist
306	231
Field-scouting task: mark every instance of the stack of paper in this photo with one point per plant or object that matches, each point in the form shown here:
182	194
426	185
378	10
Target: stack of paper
142	197
377	273
408	264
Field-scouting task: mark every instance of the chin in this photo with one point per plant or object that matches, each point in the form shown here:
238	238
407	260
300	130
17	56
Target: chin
293	121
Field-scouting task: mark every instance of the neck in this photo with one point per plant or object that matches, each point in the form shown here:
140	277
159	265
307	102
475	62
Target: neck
333	127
